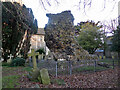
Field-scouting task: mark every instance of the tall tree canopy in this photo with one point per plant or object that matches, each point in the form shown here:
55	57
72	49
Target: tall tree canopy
18	24
89	36
116	41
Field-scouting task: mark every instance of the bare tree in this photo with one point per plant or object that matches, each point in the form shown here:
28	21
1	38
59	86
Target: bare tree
45	3
82	4
88	3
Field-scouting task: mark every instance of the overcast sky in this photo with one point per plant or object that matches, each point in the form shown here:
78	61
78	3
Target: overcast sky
95	13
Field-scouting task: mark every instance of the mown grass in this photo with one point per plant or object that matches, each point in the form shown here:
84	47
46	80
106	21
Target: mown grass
27	69
10	81
89	68
109	61
58	81
11	75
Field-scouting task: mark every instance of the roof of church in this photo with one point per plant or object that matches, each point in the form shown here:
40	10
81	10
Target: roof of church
41	31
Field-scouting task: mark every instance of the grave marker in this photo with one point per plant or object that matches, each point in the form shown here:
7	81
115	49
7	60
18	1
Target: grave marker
10	59
19	56
100	57
113	57
33	54
104	57
39	57
44	76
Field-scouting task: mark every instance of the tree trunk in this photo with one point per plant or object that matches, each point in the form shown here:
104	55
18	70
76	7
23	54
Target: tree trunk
119	59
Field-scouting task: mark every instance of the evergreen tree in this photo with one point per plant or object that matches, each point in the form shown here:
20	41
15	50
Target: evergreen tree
116	41
17	27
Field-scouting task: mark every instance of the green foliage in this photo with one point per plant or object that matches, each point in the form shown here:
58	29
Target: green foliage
41	50
89	37
116	40
10	81
27	69
18	62
5	64
58	81
16	21
89	68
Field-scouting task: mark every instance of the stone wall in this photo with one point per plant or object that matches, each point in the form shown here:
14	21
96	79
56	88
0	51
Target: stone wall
60	37
18	1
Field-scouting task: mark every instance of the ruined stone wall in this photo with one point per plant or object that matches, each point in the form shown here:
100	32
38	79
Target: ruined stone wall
59	37
18	1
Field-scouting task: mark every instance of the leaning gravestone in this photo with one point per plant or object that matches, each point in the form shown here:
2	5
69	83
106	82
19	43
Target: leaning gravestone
60	37
44	76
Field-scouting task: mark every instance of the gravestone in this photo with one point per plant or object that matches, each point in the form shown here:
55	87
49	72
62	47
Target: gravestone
44	76
49	56
100	57
40	57
104	57
10	59
33	75
103	64
20	56
33	54
113	57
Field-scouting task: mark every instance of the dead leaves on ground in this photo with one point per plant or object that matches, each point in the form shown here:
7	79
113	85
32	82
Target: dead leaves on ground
102	79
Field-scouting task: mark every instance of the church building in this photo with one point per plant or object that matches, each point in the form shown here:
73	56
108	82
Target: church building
37	40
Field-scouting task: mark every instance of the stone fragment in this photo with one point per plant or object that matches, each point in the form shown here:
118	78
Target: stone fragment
44	76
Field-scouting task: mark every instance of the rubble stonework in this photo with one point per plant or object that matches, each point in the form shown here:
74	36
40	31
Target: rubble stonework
60	37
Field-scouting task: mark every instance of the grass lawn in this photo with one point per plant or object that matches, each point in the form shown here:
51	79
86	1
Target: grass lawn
109	61
10	81
89	68
11	75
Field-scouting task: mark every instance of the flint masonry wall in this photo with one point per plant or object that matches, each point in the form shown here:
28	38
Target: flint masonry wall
59	37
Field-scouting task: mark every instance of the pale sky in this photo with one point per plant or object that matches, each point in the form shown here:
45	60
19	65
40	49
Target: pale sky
95	13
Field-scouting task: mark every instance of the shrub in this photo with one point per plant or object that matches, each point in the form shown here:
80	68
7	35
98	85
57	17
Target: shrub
41	50
18	62
5	64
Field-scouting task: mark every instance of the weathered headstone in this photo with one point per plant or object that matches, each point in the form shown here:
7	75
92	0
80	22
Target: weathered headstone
113	57
33	54
100	57
44	76
104	57
10	59
49	56
103	64
19	56
37	86
40	57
